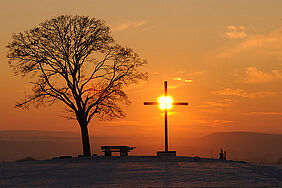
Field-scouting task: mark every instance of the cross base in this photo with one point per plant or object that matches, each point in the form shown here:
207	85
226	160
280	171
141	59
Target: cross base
166	153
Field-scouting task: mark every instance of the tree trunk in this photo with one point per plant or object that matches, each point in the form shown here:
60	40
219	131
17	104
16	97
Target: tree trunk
85	139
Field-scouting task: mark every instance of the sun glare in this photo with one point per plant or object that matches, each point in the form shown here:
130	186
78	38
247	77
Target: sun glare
165	102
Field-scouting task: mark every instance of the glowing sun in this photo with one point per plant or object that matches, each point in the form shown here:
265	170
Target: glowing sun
165	102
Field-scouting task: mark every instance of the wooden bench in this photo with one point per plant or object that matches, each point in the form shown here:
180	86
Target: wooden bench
122	149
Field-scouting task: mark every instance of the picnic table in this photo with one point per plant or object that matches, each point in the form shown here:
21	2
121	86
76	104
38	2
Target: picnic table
122	149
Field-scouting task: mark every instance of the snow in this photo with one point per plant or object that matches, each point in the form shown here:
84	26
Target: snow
138	171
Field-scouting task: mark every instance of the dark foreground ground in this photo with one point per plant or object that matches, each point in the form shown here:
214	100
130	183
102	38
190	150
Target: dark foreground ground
138	172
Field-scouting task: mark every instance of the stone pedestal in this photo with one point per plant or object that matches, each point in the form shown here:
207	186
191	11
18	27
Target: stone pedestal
166	153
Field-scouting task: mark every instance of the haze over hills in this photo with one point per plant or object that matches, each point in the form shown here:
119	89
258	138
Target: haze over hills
250	146
254	147
36	134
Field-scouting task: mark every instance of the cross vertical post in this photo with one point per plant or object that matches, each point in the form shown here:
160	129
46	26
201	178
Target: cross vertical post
165	102
165	113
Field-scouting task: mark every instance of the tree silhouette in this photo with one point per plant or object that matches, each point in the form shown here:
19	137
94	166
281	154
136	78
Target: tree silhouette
74	60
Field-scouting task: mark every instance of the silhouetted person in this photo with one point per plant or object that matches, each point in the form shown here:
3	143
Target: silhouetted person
224	155
221	154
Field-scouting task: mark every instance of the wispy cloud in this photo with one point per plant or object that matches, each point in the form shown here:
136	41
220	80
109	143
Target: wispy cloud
179	82
198	73
175	86
181	74
243	93
253	75
211	123
183	80
142	87
265	113
209	104
270	43
177	78
215	106
121	123
128	25
235	32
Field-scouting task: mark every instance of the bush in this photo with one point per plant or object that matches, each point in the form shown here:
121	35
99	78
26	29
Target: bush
26	159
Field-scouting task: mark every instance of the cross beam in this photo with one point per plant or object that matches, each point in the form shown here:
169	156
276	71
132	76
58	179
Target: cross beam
165	113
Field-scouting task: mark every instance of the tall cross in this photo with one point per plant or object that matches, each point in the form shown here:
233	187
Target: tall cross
165	103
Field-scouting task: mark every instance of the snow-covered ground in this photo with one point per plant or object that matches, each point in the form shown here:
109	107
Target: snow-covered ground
138	172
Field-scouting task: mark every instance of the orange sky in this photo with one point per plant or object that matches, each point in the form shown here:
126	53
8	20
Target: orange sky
223	57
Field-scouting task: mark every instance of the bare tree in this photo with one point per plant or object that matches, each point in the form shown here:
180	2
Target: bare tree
74	60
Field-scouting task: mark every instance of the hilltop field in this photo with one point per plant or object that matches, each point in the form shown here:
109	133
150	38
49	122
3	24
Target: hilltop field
134	171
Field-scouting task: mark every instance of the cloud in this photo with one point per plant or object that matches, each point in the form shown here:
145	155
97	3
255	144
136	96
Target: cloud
143	87
243	93
235	32
122	123
270	43
178	79
182	80
148	28
235	28
253	75
215	107
199	73
265	113
129	25
175	86
209	104
212	123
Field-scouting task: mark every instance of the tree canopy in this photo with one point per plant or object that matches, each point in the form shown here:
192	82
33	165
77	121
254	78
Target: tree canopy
75	60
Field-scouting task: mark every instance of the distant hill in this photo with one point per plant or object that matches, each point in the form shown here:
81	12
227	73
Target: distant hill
16	144
256	147
248	146
36	134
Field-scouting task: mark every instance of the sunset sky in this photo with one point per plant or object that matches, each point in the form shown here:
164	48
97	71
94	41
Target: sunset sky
222	56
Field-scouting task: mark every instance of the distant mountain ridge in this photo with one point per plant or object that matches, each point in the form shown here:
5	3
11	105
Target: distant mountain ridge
246	139
250	146
35	134
237	133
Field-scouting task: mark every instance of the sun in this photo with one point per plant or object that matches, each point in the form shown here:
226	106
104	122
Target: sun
165	102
